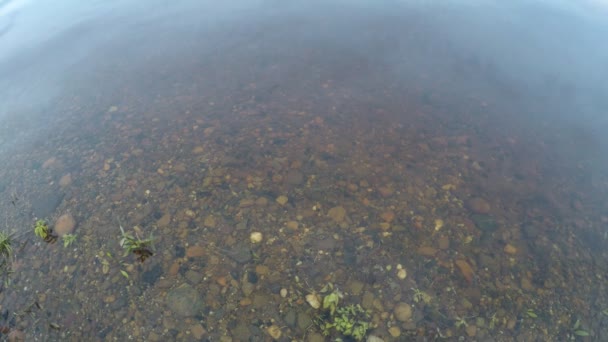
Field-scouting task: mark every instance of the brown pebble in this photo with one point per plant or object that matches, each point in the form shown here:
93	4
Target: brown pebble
471	330
385	191
337	214
262	269
388	216
510	249
245	203
209	221
221	281
478	205
65	180
164	220
173	269
49	163
195	251
444	242
465	269
65	224
427	251
198	331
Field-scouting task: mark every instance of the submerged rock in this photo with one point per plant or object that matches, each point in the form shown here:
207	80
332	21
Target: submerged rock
184	301
65	224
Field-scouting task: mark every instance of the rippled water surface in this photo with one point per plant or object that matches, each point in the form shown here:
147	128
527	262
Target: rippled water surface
303	171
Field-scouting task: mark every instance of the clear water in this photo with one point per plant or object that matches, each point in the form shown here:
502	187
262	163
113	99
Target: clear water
445	157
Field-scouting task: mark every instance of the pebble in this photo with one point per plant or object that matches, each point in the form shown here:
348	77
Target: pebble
510	249
198	150
65	224
386	191
174	269
471	330
526	284
164	220
439	224
49	163
245	203
282	200
198	331
262	270
478	205
294	177
65	180
262	201
283	292
465	269
184	301
274	332
427	251
293	225
256	237
209	221
394	331
337	214
402	273
314	300
195	251
355	287
403	312
388	216
444	242
372	338
315	337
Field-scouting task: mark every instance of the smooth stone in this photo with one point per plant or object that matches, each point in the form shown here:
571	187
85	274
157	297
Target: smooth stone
184	301
403	312
65	224
294	177
290	318
478	205
209	221
65	180
356	287
198	331
164	220
510	249
337	214
195	251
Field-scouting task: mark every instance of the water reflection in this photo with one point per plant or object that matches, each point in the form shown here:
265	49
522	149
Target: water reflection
302	171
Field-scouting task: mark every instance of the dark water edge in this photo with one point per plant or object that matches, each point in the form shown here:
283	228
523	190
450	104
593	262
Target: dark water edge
426	161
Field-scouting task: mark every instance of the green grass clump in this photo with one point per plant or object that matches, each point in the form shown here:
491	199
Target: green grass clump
68	239
42	230
135	245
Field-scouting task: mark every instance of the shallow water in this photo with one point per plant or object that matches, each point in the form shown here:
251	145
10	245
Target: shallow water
439	164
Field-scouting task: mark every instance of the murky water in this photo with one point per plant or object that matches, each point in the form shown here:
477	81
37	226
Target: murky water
303	171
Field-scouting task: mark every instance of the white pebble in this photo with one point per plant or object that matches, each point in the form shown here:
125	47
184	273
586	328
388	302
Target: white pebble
255	237
401	274
313	300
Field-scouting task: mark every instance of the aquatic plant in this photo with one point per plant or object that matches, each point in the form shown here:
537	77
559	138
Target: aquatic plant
135	245
6	257
68	239
6	247
42	230
351	321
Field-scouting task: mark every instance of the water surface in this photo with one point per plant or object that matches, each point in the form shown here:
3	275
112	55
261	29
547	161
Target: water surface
440	164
